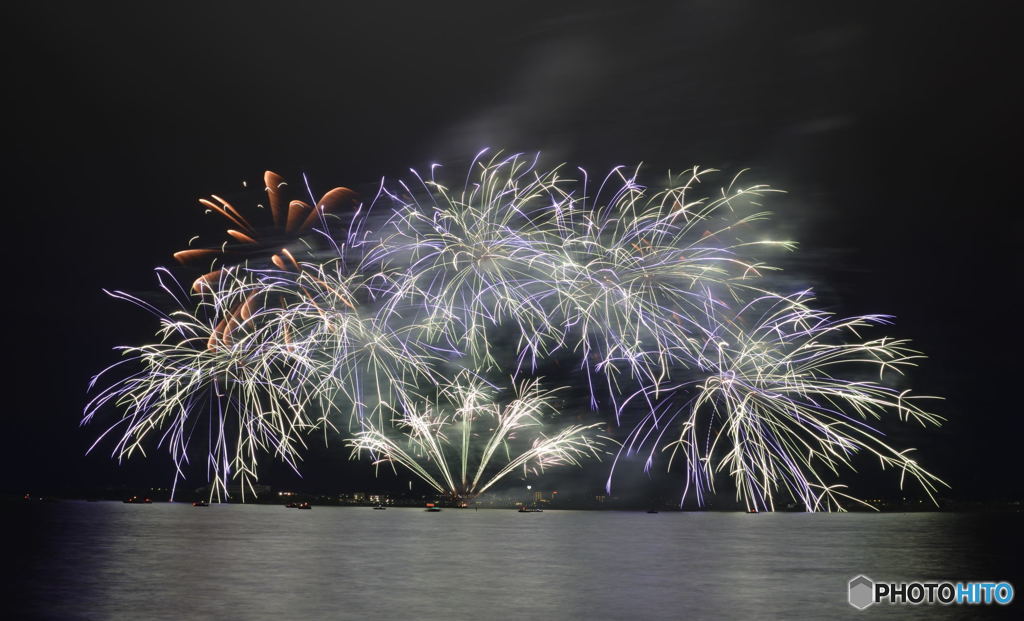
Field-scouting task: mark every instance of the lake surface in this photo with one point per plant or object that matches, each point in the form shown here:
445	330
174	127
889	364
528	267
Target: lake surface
106	560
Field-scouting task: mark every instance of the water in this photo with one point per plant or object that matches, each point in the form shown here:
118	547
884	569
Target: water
103	560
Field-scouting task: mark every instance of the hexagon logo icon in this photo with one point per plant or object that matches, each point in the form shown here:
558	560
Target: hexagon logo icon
861	589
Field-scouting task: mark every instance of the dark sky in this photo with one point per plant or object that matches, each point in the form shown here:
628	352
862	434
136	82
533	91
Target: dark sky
891	125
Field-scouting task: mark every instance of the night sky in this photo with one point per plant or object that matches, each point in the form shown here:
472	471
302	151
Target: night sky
891	126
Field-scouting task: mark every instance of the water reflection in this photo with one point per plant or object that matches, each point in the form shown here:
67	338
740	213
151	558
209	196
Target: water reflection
163	561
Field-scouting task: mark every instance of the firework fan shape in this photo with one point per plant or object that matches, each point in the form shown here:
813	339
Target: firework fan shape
464	443
656	300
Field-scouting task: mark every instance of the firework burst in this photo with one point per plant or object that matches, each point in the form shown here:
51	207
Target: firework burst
247	240
362	357
770	409
631	272
657	297
470	259
465	442
246	394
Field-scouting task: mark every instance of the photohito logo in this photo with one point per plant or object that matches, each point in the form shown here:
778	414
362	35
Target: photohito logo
864	591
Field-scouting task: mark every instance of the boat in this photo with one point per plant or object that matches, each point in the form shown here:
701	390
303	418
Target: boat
292	505
379	508
431	507
200	503
752	510
303	505
530	510
135	500
652	510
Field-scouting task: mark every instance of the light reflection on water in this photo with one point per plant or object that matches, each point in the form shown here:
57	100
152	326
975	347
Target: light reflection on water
168	561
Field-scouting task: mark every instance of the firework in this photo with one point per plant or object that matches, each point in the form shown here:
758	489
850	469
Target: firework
616	276
247	240
244	390
464	443
657	297
362	357
631	271
768	408
468	260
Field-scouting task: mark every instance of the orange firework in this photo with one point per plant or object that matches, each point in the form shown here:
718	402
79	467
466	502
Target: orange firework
291	219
